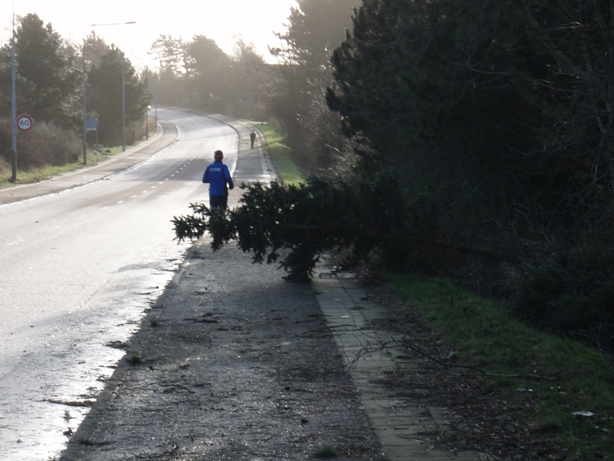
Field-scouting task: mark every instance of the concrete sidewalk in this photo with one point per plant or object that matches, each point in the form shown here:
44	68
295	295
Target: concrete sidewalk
235	364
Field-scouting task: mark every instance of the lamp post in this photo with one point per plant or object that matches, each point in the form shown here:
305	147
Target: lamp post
156	94
84	105
147	122
157	53
13	107
85	96
123	103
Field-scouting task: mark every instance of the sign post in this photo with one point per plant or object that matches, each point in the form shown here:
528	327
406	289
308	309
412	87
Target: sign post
13	105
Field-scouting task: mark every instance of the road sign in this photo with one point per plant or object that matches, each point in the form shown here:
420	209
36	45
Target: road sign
24	122
91	124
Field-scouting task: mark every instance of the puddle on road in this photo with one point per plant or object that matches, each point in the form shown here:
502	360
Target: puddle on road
39	412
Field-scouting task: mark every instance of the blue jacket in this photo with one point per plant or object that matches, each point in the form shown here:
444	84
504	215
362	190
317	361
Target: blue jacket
217	175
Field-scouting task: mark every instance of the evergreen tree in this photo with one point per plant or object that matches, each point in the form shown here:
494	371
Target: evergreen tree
207	67
105	95
48	82
315	28
170	85
497	116
246	77
480	92
94	48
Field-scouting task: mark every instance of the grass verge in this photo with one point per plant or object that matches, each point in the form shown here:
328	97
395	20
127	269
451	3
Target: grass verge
48	172
575	401
288	172
35	175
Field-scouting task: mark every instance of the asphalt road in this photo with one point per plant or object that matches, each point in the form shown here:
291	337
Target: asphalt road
79	269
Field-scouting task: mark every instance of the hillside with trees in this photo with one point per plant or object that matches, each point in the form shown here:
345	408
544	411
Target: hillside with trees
199	74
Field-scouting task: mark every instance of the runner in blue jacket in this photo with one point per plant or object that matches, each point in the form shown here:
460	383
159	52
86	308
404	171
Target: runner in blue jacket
217	175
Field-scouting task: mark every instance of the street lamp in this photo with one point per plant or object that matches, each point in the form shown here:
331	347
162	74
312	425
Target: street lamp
147	122
84	93
13	107
157	42
123	103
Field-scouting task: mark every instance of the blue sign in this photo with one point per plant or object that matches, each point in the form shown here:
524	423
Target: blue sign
91	124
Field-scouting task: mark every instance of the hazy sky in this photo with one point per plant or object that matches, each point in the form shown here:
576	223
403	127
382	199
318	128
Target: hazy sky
221	20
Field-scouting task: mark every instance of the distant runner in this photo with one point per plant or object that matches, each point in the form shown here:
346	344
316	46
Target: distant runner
252	137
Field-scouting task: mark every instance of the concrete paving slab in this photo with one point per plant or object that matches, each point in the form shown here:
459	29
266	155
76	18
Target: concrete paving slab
403	426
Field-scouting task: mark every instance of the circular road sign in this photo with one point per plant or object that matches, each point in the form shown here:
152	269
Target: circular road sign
24	122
